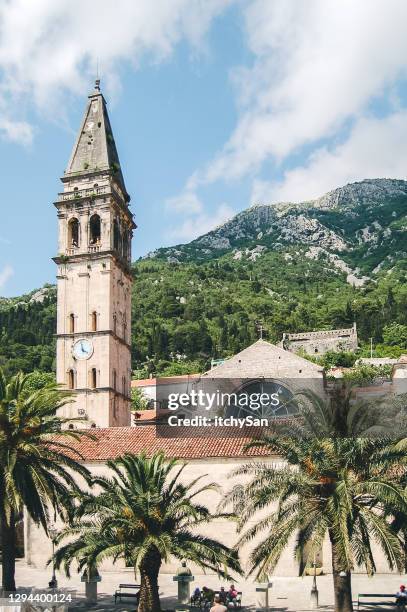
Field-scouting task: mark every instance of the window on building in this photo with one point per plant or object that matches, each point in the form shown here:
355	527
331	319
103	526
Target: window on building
73	233
93	378
124	330
71	319
124	385
126	245
94	229
116	235
114	323
71	379
94	321
114	379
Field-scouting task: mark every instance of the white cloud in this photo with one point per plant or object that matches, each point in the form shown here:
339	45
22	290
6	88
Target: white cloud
186	202
205	222
375	148
48	48
16	131
317	64
5	274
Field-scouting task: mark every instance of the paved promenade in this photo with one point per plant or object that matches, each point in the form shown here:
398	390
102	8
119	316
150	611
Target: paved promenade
286	594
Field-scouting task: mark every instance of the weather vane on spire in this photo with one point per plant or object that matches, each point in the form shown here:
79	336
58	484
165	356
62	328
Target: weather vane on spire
97	81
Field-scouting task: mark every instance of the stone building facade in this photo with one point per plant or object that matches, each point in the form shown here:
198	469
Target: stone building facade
93	277
320	342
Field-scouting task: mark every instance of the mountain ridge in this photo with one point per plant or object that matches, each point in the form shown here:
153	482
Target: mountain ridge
342	221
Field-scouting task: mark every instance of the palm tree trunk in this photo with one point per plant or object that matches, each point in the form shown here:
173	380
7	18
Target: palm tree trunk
149	570
8	545
342	584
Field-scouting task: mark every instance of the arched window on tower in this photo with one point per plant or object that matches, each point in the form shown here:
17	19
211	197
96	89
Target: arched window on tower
73	233
71	379
94	321
71	323
116	235
93	378
114	380
114	323
94	229
124	385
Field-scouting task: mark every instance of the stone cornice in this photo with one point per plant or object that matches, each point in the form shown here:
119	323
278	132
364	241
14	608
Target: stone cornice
80	257
89	334
102	390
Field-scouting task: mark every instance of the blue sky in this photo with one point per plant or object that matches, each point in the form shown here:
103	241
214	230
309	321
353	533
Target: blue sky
215	105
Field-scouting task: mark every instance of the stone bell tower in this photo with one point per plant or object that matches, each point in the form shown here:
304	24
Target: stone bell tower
94	276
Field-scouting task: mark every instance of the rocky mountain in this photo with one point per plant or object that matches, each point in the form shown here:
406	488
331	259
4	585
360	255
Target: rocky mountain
360	228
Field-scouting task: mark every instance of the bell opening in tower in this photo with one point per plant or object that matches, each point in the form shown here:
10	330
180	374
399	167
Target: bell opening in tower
94	230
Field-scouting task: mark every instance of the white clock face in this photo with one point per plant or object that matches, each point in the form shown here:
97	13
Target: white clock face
82	349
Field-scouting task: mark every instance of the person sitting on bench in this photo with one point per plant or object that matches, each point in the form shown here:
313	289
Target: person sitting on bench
231	597
401	598
196	595
223	596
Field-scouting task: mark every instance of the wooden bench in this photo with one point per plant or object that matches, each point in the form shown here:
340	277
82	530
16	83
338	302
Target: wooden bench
374	600
127	591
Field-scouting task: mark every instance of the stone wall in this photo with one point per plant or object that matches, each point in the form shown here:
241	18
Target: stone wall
320	342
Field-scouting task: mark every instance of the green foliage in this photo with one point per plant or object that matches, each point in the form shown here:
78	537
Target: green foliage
144	513
365	374
33	474
332	483
27	334
195	311
332	359
138	400
38	380
395	334
178	368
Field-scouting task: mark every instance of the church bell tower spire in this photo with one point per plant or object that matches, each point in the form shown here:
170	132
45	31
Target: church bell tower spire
94	275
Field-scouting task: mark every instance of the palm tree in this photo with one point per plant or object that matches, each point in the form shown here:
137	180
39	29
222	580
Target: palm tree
328	484
36	468
144	514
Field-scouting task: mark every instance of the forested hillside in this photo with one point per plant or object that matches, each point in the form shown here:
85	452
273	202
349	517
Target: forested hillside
314	265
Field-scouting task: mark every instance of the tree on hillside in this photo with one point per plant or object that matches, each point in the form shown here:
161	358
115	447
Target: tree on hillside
37	471
144	513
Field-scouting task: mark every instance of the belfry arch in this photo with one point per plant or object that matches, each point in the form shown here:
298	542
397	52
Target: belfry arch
73	233
94	229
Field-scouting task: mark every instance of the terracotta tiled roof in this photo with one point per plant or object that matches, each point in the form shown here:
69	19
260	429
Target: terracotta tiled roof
192	444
